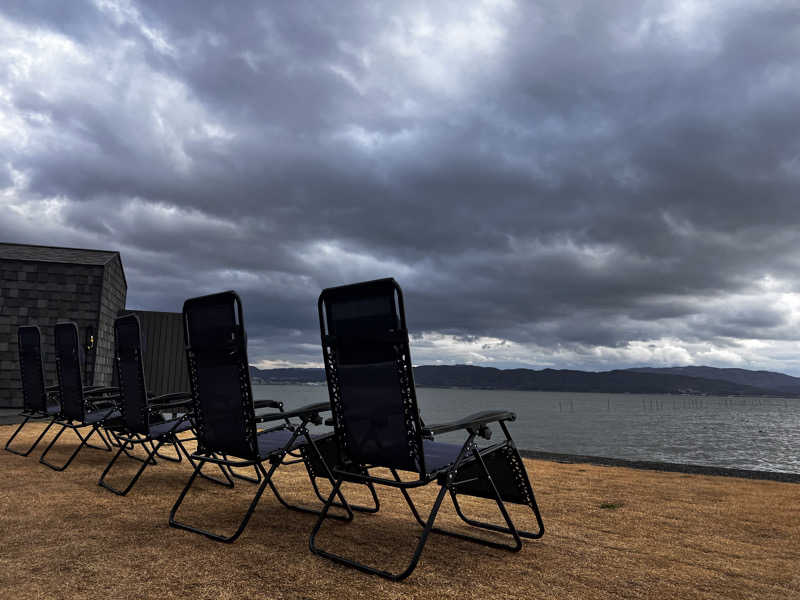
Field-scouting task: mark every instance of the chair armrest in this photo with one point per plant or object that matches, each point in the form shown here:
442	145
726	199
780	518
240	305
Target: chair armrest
268	404
172	396
169	401
305	411
94	390
100	403
472	421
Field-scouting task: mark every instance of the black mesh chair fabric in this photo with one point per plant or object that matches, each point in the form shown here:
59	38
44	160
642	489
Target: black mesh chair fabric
216	348
373	399
508	473
34	392
224	412
273	441
74	413
377	424
439	456
173	425
69	371
97	416
329	450
130	374
31	370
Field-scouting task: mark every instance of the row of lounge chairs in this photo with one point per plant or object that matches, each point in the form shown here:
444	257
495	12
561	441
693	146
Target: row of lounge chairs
373	406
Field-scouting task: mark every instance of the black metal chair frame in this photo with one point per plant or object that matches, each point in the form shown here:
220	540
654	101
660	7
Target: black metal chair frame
35	394
315	460
206	453
138	406
264	476
72	414
468	474
152	446
76	426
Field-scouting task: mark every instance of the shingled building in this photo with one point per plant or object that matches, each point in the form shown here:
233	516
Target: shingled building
40	285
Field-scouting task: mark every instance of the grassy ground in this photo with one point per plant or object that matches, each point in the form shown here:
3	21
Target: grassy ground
611	533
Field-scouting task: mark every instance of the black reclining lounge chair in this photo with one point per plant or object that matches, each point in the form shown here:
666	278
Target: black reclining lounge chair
377	423
34	392
80	407
224	412
142	423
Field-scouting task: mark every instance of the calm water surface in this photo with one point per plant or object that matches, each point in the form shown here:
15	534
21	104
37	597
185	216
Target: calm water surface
747	433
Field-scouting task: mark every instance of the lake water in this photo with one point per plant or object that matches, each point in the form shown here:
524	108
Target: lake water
747	433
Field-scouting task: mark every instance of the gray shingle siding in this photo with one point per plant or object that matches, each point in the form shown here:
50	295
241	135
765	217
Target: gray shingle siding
79	256
112	301
42	292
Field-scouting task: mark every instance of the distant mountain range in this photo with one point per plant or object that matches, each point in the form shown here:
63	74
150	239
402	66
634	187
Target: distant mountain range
766	380
277	376
644	380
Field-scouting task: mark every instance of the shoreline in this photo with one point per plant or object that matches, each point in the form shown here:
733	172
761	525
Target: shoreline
604	461
669	467
548	391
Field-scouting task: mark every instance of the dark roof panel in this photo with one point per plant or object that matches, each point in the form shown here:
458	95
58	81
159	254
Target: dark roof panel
78	256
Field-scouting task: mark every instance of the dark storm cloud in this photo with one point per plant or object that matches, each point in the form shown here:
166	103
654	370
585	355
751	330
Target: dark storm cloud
591	179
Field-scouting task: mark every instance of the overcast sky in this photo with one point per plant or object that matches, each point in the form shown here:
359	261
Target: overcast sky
559	184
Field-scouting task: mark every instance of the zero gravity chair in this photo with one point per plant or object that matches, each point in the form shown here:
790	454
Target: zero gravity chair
80	407
142	423
34	392
377	424
224	411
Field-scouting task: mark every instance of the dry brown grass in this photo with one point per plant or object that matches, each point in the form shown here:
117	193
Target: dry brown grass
611	533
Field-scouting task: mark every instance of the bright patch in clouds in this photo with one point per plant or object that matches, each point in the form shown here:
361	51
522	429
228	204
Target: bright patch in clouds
124	12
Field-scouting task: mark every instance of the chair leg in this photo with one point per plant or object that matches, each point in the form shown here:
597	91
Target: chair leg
106	446
107	442
500	504
509	529
112	438
461	536
101	482
36	443
209	534
248	478
489	526
127	447
343	504
529	496
293	457
408	500
83	443
226	472
228	482
177	458
356	507
256	479
366	568
276	459
54	440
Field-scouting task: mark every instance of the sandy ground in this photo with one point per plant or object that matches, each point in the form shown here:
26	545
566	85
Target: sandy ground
611	533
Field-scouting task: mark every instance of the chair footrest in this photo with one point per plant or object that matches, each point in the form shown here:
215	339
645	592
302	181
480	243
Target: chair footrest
507	471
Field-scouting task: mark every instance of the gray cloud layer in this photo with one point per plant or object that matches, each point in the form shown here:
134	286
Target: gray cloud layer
553	184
